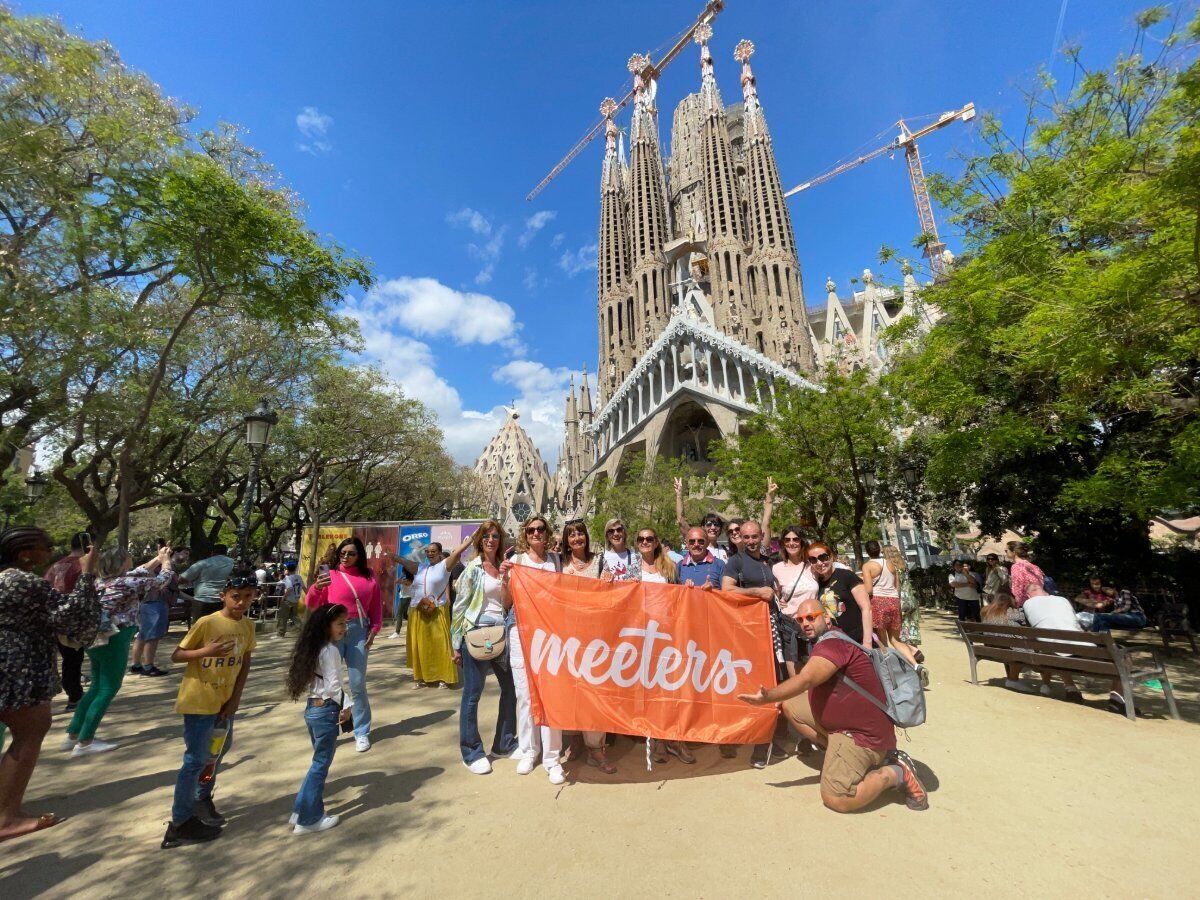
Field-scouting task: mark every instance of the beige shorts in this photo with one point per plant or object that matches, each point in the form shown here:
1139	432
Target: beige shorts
846	763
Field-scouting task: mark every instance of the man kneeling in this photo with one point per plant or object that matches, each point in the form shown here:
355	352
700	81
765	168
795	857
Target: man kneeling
861	759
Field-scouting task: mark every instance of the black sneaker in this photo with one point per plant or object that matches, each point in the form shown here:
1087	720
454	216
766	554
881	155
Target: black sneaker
914	793
760	757
207	813
729	751
153	672
193	831
136	669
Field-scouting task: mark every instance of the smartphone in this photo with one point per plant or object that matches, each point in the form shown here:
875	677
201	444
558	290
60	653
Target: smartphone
323	569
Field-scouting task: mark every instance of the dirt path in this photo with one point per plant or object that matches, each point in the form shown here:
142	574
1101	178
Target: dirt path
1032	797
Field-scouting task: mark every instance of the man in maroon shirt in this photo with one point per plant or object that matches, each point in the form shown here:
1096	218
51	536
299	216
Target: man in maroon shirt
62	577
861	759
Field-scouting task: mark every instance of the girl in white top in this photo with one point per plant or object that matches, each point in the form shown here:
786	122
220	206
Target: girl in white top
316	670
532	550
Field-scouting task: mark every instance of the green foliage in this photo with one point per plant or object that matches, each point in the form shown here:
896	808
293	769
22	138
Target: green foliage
816	444
1059	390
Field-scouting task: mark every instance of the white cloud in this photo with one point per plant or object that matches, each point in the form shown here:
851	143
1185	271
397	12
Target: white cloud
534	224
486	251
428	308
557	241
314	127
530	280
538	389
575	261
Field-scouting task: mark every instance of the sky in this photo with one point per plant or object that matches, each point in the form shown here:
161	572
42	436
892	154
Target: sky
413	132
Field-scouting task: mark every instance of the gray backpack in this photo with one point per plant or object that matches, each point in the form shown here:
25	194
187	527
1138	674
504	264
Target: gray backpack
905	704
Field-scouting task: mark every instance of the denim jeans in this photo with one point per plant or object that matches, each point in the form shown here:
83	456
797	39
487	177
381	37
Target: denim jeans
474	675
322	722
197	741
1105	621
353	648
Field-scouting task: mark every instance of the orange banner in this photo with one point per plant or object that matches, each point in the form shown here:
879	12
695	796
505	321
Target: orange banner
644	659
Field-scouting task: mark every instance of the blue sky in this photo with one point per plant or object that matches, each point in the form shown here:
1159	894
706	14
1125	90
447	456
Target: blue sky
413	131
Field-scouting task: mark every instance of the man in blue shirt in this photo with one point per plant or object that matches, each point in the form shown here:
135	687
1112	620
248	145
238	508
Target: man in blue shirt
209	577
700	568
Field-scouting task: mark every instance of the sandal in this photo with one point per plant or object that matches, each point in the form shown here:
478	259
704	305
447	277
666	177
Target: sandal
44	821
598	759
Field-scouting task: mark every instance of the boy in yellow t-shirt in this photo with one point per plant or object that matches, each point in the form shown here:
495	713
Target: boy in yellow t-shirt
217	652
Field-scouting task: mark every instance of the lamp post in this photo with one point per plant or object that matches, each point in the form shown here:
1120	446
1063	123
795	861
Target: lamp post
301	521
258	430
870	481
912	477
35	486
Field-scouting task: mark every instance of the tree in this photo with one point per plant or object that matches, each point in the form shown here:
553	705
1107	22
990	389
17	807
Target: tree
1058	392
644	497
817	445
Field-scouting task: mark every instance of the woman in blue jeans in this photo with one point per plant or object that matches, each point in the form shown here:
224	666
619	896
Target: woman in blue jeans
481	599
316	669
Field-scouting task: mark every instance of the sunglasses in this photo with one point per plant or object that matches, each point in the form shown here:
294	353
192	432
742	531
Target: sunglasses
810	617
820	558
536	529
716	525
615	531
646	539
793	540
490	536
697	540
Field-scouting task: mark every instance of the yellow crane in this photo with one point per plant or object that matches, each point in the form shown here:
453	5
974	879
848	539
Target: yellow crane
907	139
651	71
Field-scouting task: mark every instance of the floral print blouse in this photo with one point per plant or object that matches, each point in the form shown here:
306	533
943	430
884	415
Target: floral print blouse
120	596
32	613
1024	575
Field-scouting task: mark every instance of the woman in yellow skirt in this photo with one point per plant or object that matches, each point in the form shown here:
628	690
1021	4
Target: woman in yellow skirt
429	653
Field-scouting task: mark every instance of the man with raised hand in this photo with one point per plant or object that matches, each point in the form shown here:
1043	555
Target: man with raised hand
861	759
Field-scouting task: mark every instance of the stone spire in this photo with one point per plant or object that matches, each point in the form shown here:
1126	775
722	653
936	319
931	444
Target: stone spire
512	474
649	223
722	209
613	289
782	330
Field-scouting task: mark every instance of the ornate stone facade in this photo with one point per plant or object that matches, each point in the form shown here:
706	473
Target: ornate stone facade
511	473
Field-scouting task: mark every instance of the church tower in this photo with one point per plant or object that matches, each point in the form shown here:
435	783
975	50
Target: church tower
614	289
722	209
648	219
780	325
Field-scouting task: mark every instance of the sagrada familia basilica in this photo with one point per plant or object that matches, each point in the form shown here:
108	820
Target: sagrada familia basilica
701	311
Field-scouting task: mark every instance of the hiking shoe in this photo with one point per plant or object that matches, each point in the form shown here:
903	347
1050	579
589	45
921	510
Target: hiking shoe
193	831
682	751
915	796
207	813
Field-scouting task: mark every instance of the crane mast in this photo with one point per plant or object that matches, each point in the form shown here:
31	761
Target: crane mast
907	140
652	70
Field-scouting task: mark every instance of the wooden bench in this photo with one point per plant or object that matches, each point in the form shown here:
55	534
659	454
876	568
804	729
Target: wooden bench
1044	650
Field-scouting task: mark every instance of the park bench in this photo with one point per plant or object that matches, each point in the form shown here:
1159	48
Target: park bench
1043	649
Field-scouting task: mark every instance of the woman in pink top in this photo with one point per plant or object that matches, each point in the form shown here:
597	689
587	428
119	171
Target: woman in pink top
352	585
1025	576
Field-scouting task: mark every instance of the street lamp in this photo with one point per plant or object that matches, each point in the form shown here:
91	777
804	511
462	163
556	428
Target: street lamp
870	481
912	477
258	430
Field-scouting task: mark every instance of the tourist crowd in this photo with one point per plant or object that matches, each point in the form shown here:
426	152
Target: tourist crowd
460	621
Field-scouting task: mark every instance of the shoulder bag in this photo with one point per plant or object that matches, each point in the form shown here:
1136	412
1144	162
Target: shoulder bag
486	642
362	616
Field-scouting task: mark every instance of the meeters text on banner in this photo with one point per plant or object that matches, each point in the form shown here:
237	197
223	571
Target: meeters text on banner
657	660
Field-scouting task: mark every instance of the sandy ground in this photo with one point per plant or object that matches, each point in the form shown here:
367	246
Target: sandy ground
1030	797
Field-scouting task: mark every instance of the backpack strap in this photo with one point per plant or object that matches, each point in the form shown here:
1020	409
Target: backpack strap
850	682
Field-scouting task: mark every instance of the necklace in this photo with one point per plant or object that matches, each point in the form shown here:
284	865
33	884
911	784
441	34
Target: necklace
576	566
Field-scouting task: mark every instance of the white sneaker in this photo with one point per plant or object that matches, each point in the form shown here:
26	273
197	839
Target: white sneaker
362	745
324	825
294	819
526	765
393	636
557	775
516	754
68	744
481	766
96	746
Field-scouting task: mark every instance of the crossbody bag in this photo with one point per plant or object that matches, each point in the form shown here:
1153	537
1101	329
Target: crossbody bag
362	616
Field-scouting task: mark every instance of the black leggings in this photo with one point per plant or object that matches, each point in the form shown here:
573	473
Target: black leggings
72	671
968	610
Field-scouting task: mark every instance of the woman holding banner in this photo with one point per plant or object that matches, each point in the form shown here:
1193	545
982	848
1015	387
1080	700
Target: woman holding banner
658	568
532	550
582	562
482	600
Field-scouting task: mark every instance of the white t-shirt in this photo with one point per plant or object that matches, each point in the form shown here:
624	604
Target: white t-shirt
432	581
261	575
797	583
652	576
965	587
493	606
1050	611
548	565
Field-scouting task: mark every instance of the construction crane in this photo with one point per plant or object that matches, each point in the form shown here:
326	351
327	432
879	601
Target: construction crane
651	71
907	139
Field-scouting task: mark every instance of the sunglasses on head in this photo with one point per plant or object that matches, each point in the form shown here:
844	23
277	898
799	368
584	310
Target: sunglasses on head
820	557
242	581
